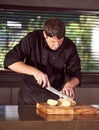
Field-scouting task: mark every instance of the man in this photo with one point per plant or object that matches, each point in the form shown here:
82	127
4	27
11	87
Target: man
45	57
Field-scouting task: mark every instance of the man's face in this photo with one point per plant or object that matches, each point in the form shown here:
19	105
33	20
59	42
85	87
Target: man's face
53	42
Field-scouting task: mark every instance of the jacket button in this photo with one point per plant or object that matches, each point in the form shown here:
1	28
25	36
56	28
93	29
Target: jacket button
43	56
53	58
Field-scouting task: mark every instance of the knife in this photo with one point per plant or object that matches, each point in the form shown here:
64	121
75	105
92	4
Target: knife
55	91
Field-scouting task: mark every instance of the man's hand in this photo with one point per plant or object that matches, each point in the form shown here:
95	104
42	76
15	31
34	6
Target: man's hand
68	90
41	78
69	86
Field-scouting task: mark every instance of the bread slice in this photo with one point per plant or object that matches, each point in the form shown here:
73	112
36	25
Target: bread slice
66	103
52	102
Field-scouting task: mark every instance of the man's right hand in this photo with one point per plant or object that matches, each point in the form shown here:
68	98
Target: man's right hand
41	78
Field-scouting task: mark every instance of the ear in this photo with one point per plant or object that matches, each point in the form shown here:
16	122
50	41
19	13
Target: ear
44	34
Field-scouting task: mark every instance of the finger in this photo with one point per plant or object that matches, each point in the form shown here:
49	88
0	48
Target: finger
67	92
60	92
48	83
44	82
39	81
72	94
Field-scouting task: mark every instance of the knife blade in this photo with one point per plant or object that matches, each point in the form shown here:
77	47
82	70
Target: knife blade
55	91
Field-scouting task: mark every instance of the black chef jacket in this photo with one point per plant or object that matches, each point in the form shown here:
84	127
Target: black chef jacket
34	51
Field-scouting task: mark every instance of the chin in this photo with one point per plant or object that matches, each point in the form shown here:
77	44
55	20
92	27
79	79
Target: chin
54	49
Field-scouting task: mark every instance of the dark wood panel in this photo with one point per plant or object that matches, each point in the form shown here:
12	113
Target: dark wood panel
5	96
14	99
10	79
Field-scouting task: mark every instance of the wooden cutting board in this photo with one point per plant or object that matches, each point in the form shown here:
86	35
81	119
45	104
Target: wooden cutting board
55	117
67	117
83	109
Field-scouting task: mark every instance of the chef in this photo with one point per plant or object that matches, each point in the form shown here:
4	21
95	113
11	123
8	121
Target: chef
45	58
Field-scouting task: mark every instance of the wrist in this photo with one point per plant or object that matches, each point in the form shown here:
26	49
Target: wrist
73	82
69	84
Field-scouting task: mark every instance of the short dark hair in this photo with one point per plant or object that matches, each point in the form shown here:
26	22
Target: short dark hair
54	27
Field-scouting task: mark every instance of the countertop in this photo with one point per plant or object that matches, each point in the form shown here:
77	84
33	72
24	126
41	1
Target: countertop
13	117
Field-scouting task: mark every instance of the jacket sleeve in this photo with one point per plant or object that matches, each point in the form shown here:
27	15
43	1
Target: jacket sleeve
18	53
73	66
